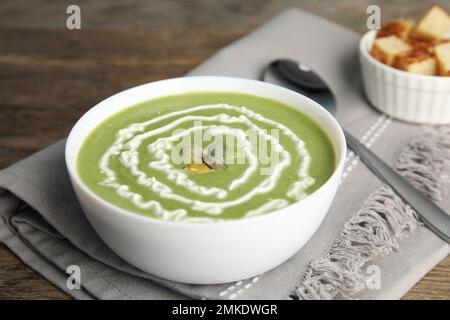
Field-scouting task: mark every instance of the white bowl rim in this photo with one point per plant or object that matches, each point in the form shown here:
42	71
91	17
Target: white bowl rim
363	49
149	219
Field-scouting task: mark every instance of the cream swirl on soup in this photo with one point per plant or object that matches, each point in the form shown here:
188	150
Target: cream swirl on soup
137	161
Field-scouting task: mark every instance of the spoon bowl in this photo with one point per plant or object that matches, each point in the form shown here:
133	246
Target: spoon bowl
302	79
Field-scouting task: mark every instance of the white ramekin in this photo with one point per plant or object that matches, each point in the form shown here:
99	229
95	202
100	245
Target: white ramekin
205	253
403	95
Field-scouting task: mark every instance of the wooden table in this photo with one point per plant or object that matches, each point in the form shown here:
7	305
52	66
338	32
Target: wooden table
49	75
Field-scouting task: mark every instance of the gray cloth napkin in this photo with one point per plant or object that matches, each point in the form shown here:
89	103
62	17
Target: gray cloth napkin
367	231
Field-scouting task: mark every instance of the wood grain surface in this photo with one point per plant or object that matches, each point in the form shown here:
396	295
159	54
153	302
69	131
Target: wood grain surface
49	75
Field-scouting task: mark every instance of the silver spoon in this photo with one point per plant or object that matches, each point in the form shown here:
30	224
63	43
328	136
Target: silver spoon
301	78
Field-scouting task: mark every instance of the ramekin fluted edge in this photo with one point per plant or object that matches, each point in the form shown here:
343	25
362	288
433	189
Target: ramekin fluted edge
402	95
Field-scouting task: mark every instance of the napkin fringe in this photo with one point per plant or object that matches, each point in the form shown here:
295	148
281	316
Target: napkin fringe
425	162
380	223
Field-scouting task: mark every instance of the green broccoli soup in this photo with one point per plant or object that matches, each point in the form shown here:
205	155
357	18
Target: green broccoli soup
205	157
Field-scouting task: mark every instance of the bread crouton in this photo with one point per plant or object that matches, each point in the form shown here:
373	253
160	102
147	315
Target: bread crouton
442	52
433	26
417	61
385	49
424	45
399	28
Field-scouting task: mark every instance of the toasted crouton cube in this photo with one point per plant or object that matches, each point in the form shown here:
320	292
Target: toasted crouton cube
385	49
417	61
443	58
433	26
399	28
418	44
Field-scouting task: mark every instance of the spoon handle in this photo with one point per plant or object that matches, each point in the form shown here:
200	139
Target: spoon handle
433	216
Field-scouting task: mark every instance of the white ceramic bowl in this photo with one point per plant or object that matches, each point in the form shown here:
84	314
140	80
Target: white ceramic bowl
403	95
205	253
